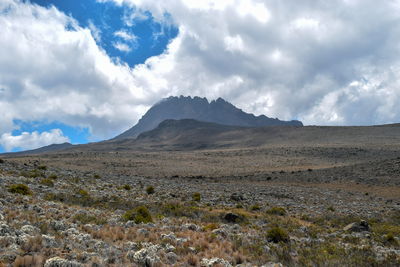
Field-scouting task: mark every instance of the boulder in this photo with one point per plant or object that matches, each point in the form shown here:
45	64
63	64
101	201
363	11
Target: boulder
214	262
146	257
357	227
171	257
231	217
59	262
237	197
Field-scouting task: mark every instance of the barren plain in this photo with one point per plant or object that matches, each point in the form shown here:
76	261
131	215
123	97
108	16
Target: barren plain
311	196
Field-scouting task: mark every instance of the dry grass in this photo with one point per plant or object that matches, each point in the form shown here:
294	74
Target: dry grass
28	261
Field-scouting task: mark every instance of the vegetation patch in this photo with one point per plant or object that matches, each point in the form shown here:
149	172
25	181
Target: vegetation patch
139	215
127	187
277	211
32	174
150	190
277	234
47	182
21	189
89	219
196	197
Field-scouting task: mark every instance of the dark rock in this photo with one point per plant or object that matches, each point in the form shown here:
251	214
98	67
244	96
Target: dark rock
237	197
357	227
231	217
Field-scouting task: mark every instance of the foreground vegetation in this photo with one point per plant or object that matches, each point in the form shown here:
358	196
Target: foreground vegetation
90	220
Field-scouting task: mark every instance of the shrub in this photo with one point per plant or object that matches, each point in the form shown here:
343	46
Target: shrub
330	208
277	211
255	207
192	260
150	190
50	197
210	227
96	176
32	174
1	161
127	187
277	234
53	176
196	197
42	167
389	238
85	219
27	261
19	189
47	182
139	215
82	193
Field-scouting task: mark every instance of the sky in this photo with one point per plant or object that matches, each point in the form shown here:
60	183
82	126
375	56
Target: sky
84	71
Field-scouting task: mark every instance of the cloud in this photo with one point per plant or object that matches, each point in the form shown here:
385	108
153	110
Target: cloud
127	42
32	140
293	59
323	63
122	47
54	71
125	35
96	32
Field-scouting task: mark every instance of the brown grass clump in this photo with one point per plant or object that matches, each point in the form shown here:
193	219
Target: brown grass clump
34	244
27	261
277	211
192	260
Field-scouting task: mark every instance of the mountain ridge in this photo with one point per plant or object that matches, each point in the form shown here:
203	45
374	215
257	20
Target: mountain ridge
217	111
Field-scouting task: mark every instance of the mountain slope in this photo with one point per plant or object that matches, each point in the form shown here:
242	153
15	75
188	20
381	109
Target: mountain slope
189	134
217	111
42	150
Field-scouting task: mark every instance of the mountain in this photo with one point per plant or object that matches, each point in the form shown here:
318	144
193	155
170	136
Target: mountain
217	111
189	135
41	150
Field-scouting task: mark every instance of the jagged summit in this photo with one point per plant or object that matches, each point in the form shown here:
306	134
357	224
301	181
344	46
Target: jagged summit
216	111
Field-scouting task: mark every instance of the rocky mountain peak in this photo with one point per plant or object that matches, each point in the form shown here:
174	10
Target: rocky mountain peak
186	107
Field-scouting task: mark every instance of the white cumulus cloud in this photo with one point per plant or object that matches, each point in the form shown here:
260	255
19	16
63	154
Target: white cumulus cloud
32	140
122	47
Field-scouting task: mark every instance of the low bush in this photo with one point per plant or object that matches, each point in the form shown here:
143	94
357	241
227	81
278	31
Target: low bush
21	189
47	182
32	174
127	187
82	193
89	219
139	215
150	190
255	207
42	167
196	197
277	211
389	238
277	234
53	176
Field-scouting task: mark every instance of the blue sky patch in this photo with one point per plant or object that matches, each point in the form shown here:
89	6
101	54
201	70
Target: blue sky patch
125	39
76	135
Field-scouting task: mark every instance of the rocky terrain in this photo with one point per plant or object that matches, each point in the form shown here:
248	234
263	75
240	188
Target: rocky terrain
331	202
